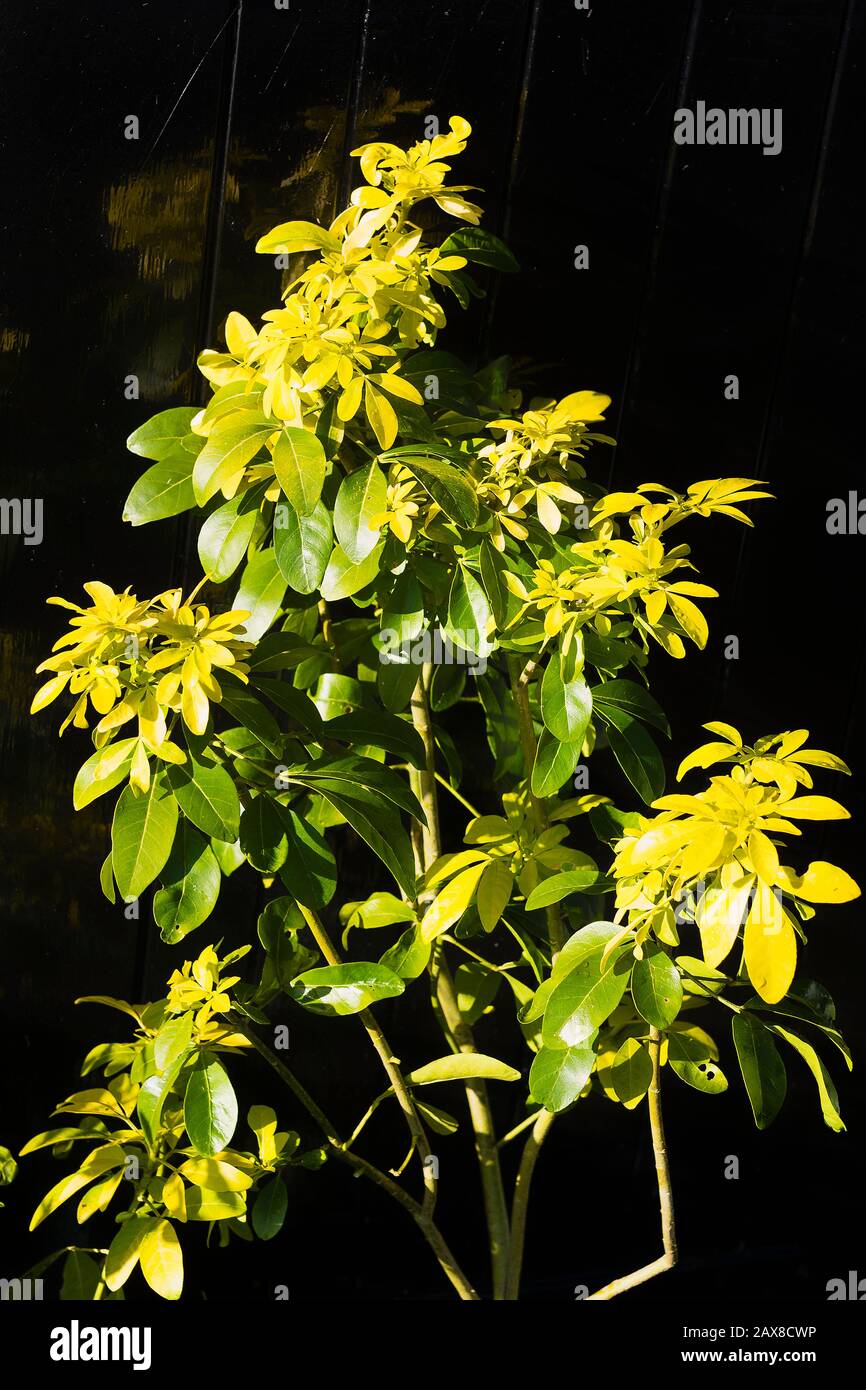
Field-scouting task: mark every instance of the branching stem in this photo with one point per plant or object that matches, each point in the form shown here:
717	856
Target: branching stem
663	1179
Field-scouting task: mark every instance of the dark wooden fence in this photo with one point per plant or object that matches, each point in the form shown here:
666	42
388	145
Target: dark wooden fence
122	256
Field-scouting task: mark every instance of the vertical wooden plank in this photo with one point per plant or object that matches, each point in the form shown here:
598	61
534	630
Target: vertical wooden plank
101	282
594	137
719	299
421	61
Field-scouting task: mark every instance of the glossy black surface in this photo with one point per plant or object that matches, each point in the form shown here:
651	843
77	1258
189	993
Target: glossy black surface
122	257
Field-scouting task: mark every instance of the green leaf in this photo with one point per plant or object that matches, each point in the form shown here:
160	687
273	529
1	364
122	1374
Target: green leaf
383	730
403	612
302	545
164	490
299	463
162	433
263	835
476	987
631	1071
245	706
376	824
225	536
584	999
173	1039
309	870
269	1209
210	1107
656	987
335	990
438	1120
191	885
362	495
409	956
566	706
763	1069
462	1066
470	619
636	754
342	578
481	246
826	1090
261	593
227	452
234	396
102	772
395	681
632	699
689	1061
207	796
445	483
494	892
553	890
295	703
558	1075
142	832
554	764
80	1277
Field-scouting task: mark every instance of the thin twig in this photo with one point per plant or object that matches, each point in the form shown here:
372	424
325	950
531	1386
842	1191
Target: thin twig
362	1167
389	1062
455	1027
520	1204
663	1179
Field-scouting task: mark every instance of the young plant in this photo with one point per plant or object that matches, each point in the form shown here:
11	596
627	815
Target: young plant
410	534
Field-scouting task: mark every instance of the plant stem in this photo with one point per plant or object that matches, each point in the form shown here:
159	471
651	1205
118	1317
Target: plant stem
362	1167
663	1179
520	695
467	805
520	1204
455	1027
389	1062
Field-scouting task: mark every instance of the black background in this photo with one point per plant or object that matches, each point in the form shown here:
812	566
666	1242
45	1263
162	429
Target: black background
122	257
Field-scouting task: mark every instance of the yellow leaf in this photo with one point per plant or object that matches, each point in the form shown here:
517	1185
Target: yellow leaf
719	916
656	603
174	1198
124	1251
380	413
162	1261
764	857
99	1196
263	1122
705	756
690	618
703	849
494	892
48	692
548	513
449	906
726	731
821	883
586	406
215	1174
813	808
239	334
770	945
